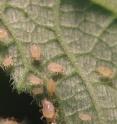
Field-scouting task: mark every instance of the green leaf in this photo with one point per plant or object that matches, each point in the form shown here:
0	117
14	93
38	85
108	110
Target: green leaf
108	4
78	35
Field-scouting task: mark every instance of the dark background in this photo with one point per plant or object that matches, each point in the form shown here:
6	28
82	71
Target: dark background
22	107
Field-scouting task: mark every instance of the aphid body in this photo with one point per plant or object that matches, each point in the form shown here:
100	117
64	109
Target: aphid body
51	87
85	117
8	61
49	111
55	68
3	34
35	52
105	72
34	80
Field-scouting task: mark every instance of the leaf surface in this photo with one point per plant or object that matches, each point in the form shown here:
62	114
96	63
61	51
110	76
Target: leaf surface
76	34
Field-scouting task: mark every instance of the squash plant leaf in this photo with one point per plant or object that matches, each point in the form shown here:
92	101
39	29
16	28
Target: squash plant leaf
76	34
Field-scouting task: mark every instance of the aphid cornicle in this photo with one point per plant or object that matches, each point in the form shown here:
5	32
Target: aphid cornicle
35	52
55	68
8	62
48	110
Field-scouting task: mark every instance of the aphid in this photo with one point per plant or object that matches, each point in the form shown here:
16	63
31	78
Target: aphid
8	62
51	87
3	33
37	90
85	117
34	80
55	68
35	52
105	72
48	111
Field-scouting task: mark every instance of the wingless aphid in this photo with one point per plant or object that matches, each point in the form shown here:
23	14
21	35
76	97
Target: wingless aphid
8	62
34	80
3	34
56	68
105	72
51	87
35	52
48	111
85	117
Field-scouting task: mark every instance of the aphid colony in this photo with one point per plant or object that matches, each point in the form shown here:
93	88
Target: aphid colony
37	84
48	108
